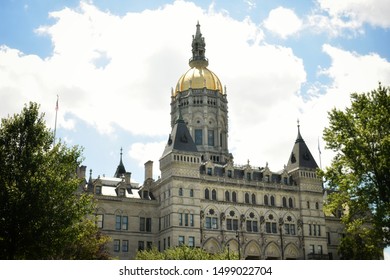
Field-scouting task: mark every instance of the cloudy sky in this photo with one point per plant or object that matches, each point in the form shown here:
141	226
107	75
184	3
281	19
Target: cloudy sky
113	64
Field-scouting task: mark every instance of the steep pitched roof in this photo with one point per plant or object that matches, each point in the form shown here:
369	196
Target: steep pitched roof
180	139
301	156
120	170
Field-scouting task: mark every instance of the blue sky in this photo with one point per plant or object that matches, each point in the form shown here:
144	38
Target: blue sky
113	64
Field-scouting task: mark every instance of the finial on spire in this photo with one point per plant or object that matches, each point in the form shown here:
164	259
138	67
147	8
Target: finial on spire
198	49
299	137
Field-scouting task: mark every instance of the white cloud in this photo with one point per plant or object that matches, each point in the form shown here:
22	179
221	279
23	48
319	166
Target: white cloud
142	152
346	18
117	72
282	21
349	72
374	12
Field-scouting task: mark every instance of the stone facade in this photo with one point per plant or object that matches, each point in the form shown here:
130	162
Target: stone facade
203	199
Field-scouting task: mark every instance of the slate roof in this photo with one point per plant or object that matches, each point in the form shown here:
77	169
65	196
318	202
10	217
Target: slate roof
301	156
180	139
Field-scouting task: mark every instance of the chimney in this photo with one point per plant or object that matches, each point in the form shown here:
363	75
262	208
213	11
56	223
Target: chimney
148	170
81	171
127	178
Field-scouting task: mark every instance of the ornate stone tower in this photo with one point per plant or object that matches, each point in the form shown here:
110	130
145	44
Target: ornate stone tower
200	100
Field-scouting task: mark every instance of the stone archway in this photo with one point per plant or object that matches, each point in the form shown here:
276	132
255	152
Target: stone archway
291	252
212	246
272	251
252	251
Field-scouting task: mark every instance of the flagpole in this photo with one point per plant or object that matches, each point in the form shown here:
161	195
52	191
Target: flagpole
319	152
55	123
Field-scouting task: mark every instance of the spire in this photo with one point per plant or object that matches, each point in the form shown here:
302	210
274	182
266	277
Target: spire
299	136
300	156
120	170
198	49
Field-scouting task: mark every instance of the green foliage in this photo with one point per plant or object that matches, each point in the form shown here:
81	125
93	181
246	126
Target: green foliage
359	175
184	253
41	217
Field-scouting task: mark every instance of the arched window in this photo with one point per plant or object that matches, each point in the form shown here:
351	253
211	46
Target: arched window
290	203
247	198
227	196
214	195
272	200
191	192
234	196
284	202
181	192
266	200
206	194
317	206
253	198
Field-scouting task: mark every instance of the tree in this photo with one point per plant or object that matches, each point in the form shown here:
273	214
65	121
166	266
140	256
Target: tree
41	216
184	253
359	175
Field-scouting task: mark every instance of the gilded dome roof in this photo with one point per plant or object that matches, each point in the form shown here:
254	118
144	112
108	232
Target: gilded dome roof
198	78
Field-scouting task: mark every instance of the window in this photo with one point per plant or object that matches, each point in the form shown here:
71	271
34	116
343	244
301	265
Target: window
232	224
118	219
272	200
284	201
317	206
121	222
247	198
149	245
117	245
184	219
198	137
266	200
319	249
230	173
145	224
234	196
210	137
211	223
206	194
214	195
191	241
251	226
141	245
290	203
227	196
191	193
209	171
310	231
191	220
308	204
270	227
311	251
319	230
289	229
180	191
253	198
328	236
121	192
125	223
100	220
125	245
98	190
248	176
181	240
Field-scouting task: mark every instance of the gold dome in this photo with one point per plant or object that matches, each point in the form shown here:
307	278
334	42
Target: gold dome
198	78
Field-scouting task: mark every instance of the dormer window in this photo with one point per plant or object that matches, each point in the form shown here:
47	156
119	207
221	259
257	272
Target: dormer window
121	192
98	190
